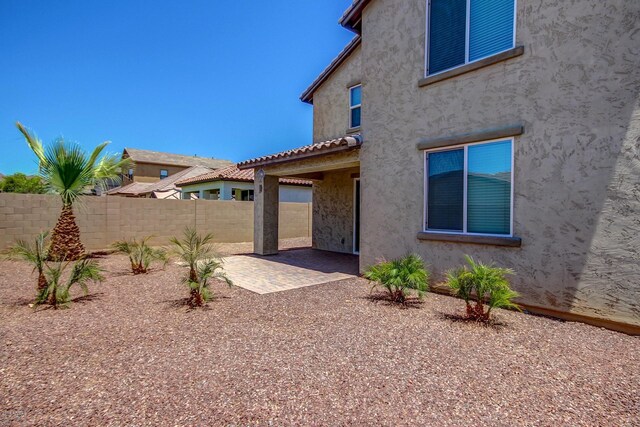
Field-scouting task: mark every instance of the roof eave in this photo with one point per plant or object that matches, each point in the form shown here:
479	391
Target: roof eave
307	95
352	18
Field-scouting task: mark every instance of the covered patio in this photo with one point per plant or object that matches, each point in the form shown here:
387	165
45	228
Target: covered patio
334	168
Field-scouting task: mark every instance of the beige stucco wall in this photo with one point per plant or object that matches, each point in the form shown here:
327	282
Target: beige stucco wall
103	220
333	204
331	100
149	172
577	166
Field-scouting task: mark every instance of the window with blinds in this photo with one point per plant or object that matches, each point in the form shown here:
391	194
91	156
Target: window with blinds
469	189
463	31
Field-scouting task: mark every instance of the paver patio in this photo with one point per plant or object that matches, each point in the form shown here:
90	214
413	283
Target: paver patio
290	269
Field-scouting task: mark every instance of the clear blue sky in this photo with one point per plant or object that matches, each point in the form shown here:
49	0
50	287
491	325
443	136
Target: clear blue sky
218	78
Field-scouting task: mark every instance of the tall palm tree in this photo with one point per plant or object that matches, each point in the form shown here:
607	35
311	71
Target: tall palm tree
69	172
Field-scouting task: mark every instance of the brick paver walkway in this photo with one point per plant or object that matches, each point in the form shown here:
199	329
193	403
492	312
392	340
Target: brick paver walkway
289	269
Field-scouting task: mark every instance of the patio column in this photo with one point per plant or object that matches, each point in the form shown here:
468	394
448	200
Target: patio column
265	218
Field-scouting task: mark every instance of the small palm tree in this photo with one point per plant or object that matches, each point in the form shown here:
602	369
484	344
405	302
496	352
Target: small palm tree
68	171
400	277
140	254
58	290
484	283
33	254
204	263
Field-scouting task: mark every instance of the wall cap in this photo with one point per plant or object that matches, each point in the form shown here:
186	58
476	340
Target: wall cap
472	66
466	238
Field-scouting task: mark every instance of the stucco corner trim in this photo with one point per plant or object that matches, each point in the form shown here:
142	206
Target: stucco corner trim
515	242
463	69
488	134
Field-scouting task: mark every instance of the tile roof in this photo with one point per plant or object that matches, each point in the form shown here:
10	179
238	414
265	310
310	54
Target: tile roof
307	95
157	157
232	173
166	184
319	148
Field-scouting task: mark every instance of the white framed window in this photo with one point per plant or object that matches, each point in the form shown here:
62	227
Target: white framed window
468	189
355	106
164	173
464	31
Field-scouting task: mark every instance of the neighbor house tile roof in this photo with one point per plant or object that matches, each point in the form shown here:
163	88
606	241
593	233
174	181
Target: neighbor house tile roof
307	95
166	184
157	157
317	149
232	173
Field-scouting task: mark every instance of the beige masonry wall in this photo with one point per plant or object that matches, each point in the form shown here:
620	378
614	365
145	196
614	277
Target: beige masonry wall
103	220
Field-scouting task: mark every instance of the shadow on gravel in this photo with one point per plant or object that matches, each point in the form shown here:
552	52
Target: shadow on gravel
458	318
184	303
383	298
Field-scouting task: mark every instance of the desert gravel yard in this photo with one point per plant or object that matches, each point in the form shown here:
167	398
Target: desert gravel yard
131	354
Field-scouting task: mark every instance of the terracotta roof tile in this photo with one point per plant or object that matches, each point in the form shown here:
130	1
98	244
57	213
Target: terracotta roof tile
347	142
232	173
166	184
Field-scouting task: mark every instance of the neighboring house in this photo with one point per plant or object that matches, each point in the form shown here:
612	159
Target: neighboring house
507	130
231	183
163	189
152	166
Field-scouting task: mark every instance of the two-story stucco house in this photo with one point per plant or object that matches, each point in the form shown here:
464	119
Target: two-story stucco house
507	130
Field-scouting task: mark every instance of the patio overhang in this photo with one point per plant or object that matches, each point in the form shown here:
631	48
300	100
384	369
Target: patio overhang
310	162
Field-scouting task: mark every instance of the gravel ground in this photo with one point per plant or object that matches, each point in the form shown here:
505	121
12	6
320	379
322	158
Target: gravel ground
131	354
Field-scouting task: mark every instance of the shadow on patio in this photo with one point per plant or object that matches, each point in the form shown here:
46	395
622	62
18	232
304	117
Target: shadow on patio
290	269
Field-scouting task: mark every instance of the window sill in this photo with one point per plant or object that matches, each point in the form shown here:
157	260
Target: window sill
466	238
463	69
353	130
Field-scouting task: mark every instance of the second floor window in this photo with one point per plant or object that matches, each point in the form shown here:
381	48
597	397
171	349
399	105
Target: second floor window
355	106
463	31
163	173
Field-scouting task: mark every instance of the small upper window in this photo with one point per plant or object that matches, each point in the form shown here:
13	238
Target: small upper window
163	173
130	173
355	106
463	31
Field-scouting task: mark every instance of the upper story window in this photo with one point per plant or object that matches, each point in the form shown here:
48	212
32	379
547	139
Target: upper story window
130	173
355	106
464	31
468	189
163	173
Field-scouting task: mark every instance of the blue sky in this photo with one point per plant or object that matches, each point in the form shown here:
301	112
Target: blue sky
218	78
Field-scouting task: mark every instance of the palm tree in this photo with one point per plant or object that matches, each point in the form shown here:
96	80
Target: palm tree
198	252
35	255
69	172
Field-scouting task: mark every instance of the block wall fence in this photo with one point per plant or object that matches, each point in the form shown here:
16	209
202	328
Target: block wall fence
103	220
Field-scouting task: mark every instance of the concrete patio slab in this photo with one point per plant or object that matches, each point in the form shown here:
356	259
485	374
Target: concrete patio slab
290	269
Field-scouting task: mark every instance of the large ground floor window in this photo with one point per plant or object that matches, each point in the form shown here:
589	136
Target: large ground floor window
468	189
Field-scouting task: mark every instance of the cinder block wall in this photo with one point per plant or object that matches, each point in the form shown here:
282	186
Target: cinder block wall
103	220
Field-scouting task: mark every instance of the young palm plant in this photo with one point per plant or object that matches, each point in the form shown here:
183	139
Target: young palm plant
33	254
482	284
141	255
204	264
68	171
400	277
58	290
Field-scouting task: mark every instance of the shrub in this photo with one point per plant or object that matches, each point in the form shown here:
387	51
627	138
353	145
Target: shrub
204	264
484	283
34	255
400	277
140	254
58	289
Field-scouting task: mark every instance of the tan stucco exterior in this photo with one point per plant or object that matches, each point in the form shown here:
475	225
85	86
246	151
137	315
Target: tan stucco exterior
150	172
331	100
577	164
